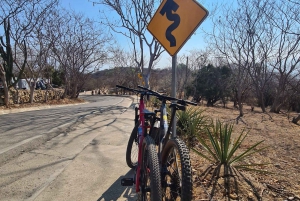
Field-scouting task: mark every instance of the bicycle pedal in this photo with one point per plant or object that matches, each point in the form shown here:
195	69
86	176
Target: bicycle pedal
127	182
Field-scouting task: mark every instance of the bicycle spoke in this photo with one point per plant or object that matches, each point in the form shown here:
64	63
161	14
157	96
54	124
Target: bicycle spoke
173	179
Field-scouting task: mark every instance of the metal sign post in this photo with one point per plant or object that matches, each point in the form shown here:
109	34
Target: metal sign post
173	94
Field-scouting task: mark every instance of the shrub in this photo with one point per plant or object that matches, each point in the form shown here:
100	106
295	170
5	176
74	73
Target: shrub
191	123
221	149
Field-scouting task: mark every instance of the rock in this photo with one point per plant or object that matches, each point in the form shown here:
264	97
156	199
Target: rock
233	196
277	165
221	181
250	196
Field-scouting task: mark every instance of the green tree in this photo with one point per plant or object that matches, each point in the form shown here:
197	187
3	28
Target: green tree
212	83
57	78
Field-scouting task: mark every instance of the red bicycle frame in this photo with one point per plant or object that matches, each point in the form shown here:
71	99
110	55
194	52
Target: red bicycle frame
141	135
140	140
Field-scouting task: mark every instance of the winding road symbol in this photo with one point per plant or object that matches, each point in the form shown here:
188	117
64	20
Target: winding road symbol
167	9
175	21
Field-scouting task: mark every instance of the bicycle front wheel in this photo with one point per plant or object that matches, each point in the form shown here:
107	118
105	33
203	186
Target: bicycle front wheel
150	173
176	173
133	148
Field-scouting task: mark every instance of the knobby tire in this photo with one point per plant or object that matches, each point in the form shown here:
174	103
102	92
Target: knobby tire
132	148
150	172
177	173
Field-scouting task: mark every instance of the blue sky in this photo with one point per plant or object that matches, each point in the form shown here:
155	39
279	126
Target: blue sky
195	42
86	7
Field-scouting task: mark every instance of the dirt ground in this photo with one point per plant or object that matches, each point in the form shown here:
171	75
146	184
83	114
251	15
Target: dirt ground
282	156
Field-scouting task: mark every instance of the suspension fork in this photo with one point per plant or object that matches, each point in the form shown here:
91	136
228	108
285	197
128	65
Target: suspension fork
163	128
173	113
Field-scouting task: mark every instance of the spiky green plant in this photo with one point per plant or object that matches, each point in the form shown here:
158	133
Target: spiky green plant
221	149
191	122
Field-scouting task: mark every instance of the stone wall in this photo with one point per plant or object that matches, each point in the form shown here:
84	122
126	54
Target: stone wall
23	96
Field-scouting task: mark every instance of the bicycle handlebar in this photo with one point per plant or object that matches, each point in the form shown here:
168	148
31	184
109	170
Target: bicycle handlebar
157	94
134	90
128	89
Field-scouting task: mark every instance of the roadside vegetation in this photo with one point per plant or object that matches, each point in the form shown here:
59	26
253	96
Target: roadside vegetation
242	160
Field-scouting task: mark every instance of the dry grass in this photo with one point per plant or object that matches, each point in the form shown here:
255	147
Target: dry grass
283	139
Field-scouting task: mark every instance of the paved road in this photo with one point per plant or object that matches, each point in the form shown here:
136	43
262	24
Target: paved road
83	162
18	129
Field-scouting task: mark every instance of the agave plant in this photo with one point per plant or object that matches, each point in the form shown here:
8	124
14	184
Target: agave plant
221	149
191	123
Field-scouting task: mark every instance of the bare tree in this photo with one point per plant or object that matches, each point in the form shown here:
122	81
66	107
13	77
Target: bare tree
285	10
24	16
134	16
286	59
259	46
249	40
79	47
187	67
182	74
38	54
197	60
124	67
10	8
8	61
229	37
38	51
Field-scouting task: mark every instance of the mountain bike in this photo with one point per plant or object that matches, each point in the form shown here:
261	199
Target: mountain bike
147	178
174	159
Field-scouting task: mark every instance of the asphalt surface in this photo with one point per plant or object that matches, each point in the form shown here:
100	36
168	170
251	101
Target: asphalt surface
84	162
22	129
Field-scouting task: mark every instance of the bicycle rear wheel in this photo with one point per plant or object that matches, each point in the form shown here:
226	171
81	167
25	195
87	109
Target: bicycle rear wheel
177	173
133	148
150	173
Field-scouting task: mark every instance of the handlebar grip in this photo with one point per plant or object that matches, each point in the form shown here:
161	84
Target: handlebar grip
149	90
122	87
191	103
158	95
128	89
139	86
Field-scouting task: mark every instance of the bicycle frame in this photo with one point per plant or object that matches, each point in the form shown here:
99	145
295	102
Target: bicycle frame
142	116
140	140
173	155
139	118
165	127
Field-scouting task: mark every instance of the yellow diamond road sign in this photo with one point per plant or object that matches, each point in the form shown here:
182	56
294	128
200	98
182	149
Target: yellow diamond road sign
175	21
